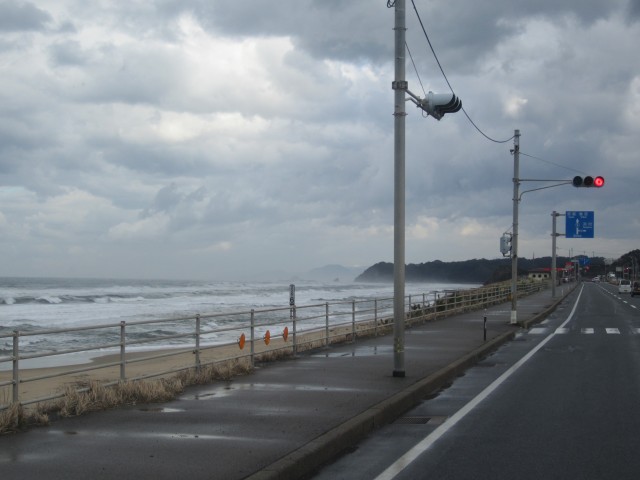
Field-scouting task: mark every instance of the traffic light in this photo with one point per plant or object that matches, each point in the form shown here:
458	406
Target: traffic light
579	181
505	244
437	104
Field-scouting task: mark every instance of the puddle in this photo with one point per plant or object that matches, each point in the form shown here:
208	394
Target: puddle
356	352
161	409
289	387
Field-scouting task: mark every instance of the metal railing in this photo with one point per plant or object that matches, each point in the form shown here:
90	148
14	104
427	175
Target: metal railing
135	351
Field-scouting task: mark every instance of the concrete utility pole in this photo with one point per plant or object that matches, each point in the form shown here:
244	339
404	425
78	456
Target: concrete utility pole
554	270
399	88
514	240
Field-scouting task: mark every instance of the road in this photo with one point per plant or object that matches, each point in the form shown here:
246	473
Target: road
562	401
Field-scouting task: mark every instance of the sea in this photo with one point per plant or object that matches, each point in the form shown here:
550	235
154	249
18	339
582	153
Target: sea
34	304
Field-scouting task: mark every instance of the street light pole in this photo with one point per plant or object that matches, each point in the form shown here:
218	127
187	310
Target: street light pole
399	88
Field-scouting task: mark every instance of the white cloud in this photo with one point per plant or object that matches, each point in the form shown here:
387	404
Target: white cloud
150	228
424	227
514	106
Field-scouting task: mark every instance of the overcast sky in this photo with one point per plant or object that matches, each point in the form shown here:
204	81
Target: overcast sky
220	140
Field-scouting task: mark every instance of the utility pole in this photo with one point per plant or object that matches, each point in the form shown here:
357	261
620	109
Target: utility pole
514	241
399	87
554	270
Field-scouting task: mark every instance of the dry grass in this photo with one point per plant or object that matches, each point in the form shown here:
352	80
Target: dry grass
12	419
79	399
216	371
94	397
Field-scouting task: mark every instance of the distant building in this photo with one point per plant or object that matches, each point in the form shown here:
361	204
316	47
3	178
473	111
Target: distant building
544	274
540	274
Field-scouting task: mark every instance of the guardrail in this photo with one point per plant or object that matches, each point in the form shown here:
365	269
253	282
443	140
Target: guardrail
138	350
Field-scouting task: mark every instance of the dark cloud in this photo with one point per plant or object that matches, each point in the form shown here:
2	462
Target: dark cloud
634	9
69	53
15	16
361	29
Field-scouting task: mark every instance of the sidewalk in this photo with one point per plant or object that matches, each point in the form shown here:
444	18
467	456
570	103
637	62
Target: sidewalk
282	421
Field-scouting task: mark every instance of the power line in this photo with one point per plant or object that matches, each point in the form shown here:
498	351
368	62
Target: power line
447	80
415	68
551	163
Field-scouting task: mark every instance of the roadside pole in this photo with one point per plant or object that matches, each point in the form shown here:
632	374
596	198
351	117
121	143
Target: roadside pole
514	240
399	88
554	274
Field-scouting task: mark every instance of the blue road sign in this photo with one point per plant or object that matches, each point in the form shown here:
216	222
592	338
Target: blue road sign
579	224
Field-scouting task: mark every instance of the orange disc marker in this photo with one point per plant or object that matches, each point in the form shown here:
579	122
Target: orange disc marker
285	334
241	341
267	337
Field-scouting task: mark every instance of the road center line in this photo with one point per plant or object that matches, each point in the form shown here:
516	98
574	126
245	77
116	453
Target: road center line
406	459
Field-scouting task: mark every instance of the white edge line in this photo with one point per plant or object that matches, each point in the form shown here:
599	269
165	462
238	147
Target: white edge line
406	459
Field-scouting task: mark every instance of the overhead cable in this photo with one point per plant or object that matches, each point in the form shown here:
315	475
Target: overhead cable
447	80
551	163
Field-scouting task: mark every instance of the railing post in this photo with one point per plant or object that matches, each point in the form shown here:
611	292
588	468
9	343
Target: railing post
295	332
123	350
353	321
375	316
16	366
197	350
485	327
326	324
253	337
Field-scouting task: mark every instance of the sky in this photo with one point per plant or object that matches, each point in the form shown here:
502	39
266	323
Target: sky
208	139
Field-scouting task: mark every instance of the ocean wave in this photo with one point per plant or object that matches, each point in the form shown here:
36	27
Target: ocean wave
49	299
76	299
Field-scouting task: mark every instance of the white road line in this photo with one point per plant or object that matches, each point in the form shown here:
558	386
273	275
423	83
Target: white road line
538	330
406	459
636	330
612	331
587	330
562	330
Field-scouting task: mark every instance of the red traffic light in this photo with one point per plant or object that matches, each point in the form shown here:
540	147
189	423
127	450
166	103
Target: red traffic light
588	181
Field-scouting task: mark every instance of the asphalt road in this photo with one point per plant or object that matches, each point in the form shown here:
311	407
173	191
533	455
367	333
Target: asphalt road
562	401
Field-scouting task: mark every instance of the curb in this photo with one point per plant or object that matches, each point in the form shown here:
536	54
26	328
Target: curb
325	448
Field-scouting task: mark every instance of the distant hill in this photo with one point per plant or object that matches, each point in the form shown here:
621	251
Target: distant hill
467	271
